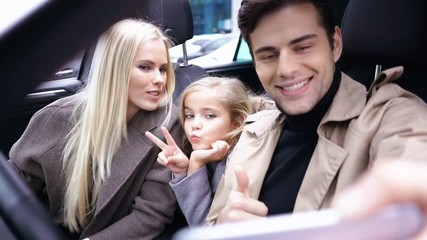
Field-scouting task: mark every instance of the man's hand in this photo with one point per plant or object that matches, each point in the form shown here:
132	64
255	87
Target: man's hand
387	183
171	155
240	206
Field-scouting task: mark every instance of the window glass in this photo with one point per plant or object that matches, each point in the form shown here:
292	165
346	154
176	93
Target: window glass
243	53
211	16
215	30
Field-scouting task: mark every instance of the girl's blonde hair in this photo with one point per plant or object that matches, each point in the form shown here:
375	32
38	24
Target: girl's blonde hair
232	93
99	116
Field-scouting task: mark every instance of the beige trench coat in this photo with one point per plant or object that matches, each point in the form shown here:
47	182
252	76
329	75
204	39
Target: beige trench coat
353	134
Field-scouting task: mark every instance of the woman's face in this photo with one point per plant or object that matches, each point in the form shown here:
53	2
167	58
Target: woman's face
206	119
147	77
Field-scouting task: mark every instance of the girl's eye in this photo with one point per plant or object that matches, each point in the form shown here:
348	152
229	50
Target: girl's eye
210	115
188	116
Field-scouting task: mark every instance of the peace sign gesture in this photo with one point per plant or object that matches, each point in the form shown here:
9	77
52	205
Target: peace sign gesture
171	155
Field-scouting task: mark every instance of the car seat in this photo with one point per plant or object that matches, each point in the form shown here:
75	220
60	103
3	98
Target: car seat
379	34
176	20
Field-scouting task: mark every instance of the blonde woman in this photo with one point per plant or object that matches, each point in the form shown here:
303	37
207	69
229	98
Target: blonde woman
86	156
212	112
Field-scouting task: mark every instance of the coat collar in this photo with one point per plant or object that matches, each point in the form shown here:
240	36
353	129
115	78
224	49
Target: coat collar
328	156
131	154
348	102
346	105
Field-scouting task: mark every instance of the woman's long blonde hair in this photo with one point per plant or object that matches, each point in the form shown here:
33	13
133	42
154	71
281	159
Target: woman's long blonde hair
99	116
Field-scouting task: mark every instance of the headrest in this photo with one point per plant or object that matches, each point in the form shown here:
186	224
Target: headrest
386	32
173	16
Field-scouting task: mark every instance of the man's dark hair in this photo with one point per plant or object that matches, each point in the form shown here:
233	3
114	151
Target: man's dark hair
251	11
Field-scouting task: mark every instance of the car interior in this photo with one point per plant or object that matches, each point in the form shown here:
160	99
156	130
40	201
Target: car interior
176	19
50	26
377	34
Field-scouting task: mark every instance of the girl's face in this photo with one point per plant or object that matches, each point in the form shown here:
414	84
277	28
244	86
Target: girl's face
147	77
206	119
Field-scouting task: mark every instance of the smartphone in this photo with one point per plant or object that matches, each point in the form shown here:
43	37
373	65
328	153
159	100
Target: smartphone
396	222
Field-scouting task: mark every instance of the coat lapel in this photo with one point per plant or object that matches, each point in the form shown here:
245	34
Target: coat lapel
323	167
329	154
256	159
129	156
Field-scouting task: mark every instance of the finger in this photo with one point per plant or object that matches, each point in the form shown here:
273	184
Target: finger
219	144
159	143
159	160
386	183
241	207
179	161
220	148
168	137
242	180
163	157
422	235
237	216
240	201
210	155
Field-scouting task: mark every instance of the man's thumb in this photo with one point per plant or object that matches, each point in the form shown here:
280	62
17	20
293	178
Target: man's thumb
242	180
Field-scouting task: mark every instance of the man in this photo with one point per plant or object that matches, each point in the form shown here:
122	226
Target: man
328	129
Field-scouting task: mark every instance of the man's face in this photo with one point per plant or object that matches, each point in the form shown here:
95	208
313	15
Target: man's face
293	57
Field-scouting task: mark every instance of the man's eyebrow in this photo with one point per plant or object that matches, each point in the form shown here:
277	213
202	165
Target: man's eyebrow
294	41
302	38
264	49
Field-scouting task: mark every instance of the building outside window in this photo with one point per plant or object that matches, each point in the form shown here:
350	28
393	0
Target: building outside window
213	16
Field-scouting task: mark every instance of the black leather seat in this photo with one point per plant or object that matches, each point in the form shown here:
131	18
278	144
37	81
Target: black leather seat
386	33
176	20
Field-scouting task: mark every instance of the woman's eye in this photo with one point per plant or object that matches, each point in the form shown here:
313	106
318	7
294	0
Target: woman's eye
144	67
163	70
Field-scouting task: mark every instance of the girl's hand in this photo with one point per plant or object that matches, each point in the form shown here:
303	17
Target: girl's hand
199	158
171	155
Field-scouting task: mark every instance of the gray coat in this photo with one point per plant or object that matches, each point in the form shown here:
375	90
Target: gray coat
135	201
195	192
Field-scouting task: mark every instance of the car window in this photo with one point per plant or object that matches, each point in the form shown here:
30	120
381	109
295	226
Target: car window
70	69
243	54
222	17
215	44
212	19
201	42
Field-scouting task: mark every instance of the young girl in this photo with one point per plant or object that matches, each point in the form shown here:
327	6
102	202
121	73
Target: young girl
212	112
86	157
